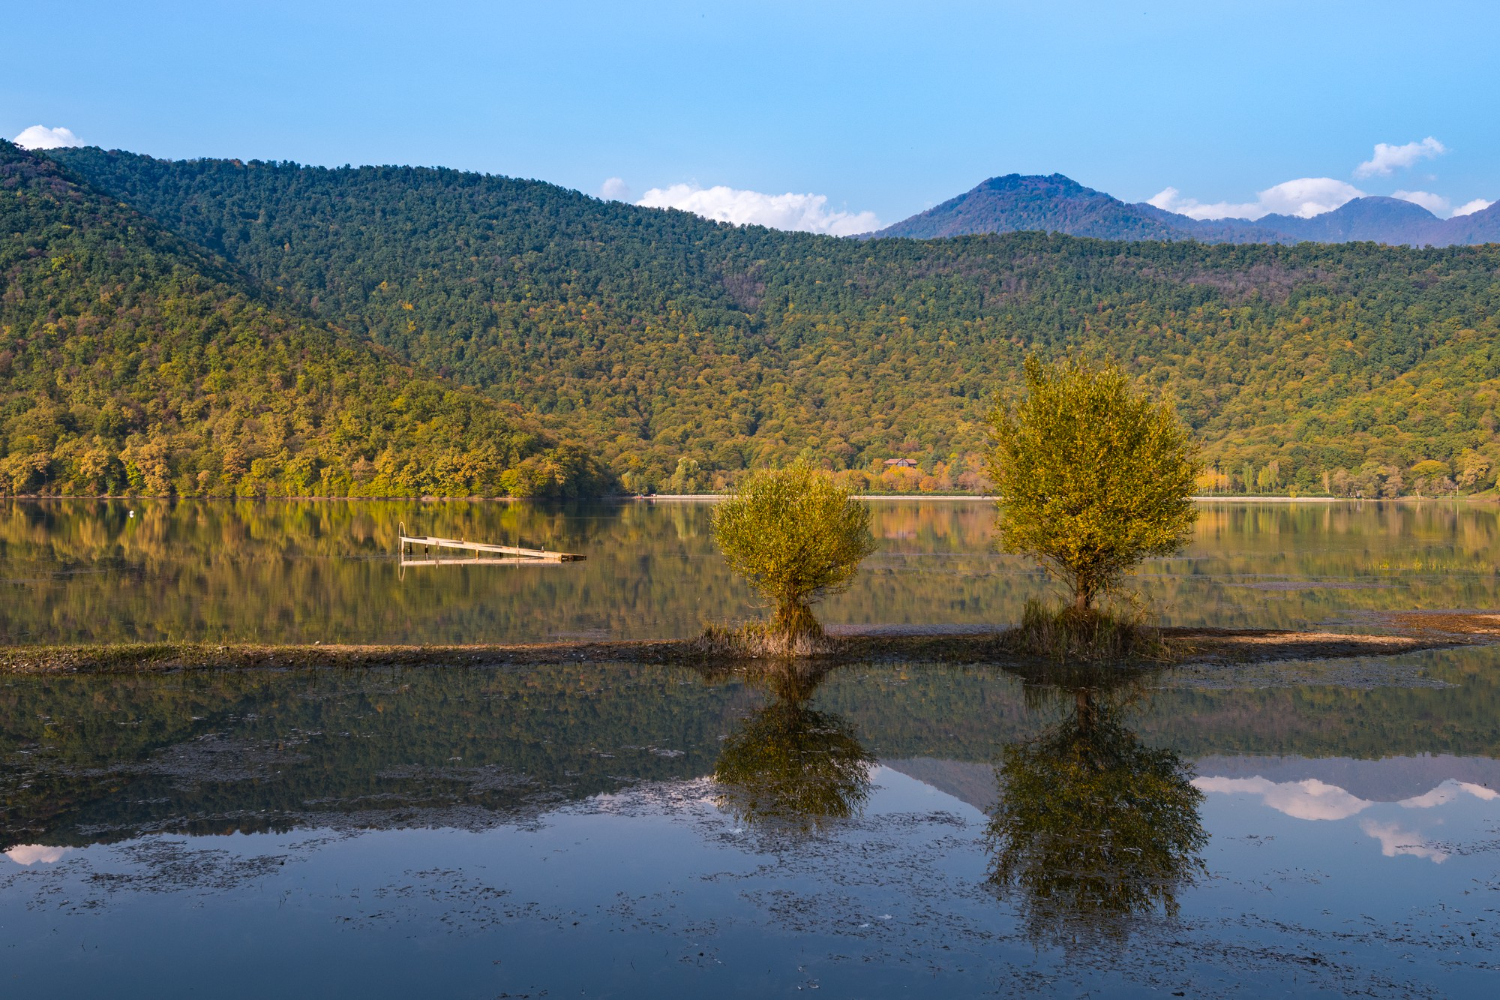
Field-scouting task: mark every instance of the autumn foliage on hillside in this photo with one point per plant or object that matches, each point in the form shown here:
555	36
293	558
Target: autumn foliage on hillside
685	352
133	362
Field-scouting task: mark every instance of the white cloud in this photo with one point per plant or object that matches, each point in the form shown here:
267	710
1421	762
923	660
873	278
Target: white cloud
1470	207
804	212
1394	841
1434	203
30	854
1388	157
1310	799
1304	197
1171	200
1309	196
615	189
42	137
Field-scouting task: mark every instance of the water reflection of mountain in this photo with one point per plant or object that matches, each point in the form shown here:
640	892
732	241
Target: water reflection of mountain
90	758
106	758
1389	779
79	570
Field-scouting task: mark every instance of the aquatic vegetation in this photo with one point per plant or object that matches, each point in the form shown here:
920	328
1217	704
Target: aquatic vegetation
1092	634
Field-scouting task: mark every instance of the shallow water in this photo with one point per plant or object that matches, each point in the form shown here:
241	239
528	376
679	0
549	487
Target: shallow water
83	571
624	830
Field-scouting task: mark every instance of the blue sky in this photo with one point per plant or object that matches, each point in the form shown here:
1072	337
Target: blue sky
880	108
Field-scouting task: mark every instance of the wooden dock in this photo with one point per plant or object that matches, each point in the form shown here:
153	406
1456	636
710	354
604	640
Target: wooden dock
518	555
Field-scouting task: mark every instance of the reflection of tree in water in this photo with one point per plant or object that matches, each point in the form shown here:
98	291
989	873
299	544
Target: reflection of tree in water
1094	831
789	767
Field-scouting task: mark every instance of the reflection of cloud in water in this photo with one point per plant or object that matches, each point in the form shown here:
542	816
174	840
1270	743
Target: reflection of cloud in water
1314	799
1394	841
1447	792
1309	799
30	854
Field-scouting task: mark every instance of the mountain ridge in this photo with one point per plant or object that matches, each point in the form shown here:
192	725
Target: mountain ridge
1056	203
685	350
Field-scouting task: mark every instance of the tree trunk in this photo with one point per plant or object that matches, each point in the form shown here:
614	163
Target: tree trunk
794	621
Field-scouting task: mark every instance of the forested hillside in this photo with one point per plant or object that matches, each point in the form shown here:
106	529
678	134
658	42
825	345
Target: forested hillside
132	361
686	350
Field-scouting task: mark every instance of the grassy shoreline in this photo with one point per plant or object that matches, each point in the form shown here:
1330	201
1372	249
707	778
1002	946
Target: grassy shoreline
1206	646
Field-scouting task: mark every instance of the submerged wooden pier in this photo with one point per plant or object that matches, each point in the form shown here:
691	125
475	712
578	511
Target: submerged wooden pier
484	553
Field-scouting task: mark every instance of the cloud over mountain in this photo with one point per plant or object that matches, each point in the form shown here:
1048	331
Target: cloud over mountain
42	137
615	189
1304	197
803	212
1434	203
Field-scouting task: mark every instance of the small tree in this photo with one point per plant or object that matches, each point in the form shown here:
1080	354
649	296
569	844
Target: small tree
797	537
1091	477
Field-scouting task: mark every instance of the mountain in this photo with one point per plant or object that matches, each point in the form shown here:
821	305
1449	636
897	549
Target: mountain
1479	227
1378	220
1387	220
132	360
683	350
1056	204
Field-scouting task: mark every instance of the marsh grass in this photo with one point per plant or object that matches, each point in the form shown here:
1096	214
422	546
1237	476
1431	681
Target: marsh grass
1087	634
760	640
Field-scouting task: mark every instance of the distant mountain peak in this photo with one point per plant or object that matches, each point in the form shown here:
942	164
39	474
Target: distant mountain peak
1050	203
1056	203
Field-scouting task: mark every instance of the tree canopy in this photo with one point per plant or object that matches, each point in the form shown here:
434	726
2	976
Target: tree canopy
1091	476
134	362
797	537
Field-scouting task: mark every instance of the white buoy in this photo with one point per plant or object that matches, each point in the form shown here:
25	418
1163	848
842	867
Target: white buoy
132	513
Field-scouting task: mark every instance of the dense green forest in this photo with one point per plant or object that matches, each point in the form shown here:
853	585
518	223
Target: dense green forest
133	361
685	351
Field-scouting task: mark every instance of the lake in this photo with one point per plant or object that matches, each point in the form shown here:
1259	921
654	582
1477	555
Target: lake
661	831
86	571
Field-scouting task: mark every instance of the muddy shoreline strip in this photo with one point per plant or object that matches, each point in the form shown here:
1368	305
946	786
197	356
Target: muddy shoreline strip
1205	646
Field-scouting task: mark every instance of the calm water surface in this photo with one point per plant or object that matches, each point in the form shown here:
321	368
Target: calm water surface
630	831
635	831
77	571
